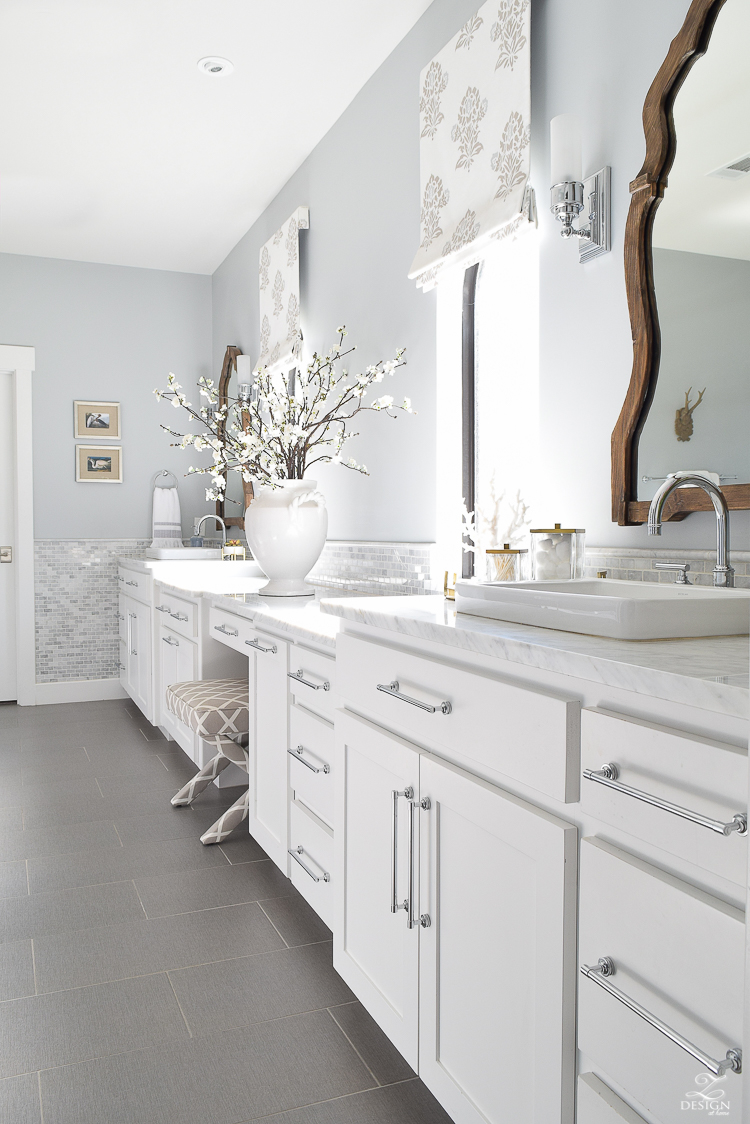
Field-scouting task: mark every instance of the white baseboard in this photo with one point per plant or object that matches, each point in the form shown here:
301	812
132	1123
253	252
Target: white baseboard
78	690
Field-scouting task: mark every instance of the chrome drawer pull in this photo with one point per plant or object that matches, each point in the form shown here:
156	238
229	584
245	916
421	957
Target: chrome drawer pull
120	578
223	628
181	617
600	973
163	609
170	640
297	755
408	794
298	678
120	616
255	643
392	690
122	667
609	773
295	853
132	583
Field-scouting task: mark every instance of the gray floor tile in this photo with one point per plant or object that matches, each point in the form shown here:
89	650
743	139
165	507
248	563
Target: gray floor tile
206	889
222	1079
113	763
175	823
241	847
375	1049
69	910
160	789
258	988
67	763
114	952
61	872
11	819
16	971
87	1022
295	920
177	764
19	1100
151	733
13	883
408	1103
60	840
78	808
47	792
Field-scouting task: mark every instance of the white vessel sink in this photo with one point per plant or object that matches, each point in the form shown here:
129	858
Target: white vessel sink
186	554
605	607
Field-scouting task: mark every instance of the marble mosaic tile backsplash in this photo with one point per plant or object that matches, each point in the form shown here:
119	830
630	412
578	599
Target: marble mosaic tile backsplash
77	589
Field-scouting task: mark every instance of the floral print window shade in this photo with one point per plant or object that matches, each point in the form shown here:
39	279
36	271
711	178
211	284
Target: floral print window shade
278	284
474	114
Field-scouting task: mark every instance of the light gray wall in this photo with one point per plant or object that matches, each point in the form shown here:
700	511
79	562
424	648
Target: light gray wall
704	305
362	186
107	333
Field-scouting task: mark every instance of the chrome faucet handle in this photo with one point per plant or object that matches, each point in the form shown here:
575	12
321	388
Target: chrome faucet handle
679	568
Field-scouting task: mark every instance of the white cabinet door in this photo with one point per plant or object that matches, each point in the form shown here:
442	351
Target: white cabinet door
497	960
141	644
178	663
373	948
269	789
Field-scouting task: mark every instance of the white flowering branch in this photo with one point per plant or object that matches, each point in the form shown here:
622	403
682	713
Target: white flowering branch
285	429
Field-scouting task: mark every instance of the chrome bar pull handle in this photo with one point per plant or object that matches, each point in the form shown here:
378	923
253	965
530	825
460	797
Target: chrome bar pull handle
295	853
609	773
223	628
408	793
601	972
298	676
164	609
171	641
412	921
392	689
132	583
182	617
297	755
255	643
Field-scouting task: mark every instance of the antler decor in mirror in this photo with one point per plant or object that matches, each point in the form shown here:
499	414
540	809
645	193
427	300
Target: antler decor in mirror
687	271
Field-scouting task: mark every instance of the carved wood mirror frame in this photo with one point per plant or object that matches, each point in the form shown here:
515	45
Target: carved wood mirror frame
228	368
647	191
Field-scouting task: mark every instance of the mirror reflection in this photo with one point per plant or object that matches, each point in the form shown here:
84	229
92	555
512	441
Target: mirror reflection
700	411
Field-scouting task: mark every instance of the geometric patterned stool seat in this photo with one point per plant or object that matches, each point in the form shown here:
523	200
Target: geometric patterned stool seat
217	709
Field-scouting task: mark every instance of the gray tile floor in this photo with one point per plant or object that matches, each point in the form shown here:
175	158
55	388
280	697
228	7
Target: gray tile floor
146	979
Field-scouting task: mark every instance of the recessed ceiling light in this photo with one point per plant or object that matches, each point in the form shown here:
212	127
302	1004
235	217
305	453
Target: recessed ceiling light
215	66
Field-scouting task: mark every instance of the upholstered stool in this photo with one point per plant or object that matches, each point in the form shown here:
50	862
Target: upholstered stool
217	709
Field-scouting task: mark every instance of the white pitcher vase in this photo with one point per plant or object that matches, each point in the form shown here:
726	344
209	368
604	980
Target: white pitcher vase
286	530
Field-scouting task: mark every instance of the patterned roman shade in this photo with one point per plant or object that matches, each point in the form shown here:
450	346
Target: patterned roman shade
279	295
474	114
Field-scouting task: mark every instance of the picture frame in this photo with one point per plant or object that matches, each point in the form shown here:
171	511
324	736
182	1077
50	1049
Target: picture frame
99	420
99	464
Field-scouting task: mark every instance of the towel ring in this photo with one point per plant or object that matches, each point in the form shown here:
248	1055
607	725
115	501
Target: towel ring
157	477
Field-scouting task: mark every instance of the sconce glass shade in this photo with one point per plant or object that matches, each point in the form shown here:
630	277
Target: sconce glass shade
565	149
244	369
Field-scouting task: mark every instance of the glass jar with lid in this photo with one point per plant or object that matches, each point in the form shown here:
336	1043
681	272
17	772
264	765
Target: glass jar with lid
506	565
557	553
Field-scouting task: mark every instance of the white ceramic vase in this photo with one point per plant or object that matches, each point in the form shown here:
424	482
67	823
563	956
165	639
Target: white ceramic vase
286	530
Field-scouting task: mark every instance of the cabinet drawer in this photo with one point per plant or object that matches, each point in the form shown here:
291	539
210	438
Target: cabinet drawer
232	630
691	772
679	953
311	750
597	1104
135	584
529	735
311	861
175	612
311	680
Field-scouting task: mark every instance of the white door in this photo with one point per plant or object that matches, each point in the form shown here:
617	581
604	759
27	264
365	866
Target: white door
497	960
143	674
178	659
376	803
7	539
269	786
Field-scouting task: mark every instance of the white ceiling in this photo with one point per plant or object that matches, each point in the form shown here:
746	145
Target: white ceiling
699	212
115	148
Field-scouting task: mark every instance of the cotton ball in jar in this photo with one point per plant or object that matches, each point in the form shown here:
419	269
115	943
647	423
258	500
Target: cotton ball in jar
546	568
562	550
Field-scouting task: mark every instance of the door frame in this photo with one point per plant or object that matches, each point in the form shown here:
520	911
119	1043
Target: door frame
20	362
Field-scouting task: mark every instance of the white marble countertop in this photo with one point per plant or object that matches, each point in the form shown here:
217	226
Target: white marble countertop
300	617
711	673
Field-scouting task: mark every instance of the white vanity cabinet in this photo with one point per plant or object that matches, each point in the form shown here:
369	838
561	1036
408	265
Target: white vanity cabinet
454	924
135	652
269	796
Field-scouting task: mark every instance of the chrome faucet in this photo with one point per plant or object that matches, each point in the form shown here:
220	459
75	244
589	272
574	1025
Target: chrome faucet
218	520
723	572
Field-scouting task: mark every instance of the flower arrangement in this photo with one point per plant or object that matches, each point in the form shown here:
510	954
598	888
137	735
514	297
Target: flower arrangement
288	425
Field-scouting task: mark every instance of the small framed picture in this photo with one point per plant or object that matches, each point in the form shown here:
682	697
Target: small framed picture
97	420
99	464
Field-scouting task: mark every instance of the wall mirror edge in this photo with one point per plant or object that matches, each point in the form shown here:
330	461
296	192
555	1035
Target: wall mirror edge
647	191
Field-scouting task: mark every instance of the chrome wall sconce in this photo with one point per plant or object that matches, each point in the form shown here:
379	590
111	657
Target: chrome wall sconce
244	380
570	193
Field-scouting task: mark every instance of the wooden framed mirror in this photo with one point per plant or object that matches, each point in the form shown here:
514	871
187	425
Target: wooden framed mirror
228	369
687	272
